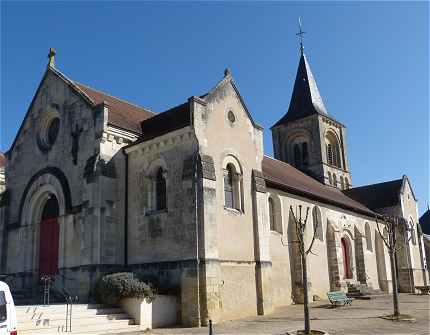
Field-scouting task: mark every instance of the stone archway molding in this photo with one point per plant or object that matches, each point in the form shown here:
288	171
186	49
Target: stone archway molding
50	180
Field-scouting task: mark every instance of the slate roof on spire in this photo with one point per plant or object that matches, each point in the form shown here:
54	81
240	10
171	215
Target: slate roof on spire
306	99
425	222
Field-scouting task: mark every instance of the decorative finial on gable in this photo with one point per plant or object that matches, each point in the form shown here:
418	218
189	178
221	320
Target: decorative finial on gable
300	34
51	57
227	72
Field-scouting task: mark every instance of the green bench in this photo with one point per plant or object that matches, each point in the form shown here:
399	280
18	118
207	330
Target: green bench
424	290
339	297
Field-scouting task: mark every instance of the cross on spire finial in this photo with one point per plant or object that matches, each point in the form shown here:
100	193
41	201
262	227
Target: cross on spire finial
51	57
300	34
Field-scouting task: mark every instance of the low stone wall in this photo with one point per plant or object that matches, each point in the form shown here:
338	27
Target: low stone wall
161	312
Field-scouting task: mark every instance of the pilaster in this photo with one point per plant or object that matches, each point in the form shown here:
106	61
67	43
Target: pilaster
263	266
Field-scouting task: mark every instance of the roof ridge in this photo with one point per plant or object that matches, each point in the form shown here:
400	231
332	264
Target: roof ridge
114	97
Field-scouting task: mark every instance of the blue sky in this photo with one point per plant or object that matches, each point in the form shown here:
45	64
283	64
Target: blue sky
370	60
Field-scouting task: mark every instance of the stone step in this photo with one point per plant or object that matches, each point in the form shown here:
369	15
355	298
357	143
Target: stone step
76	311
77	326
132	329
84	319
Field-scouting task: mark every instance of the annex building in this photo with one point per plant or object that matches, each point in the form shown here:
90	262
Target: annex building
188	199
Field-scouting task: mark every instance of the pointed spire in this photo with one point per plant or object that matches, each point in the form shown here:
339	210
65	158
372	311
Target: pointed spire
305	99
51	57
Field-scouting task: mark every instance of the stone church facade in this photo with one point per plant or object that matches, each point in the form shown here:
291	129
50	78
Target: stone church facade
187	199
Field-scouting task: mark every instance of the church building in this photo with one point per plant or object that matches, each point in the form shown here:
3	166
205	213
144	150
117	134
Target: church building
187	199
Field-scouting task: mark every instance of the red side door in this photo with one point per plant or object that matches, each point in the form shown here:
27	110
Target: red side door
48	247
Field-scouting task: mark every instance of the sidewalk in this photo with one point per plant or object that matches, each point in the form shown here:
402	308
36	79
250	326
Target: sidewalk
361	318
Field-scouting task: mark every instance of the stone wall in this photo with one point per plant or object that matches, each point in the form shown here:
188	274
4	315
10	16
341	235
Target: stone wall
238	243
325	263
83	172
162	244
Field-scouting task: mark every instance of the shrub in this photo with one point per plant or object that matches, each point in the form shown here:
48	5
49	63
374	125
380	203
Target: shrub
111	288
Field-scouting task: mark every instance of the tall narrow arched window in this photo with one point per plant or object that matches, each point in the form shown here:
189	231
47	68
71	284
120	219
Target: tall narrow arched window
333	150
347	185
160	190
342	183
317	223
272	213
233	185
334	180
368	235
413	235
329	154
330	179
228	186
305	154
275	217
297	156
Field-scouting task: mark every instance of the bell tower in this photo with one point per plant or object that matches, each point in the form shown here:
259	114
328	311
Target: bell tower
307	137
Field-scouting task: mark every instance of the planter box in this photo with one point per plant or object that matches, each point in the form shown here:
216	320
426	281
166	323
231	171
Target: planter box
162	312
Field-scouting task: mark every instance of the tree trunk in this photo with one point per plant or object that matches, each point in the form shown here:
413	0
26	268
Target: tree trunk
394	281
305	294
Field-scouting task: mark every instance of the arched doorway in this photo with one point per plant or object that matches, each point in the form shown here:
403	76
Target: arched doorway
49	238
346	258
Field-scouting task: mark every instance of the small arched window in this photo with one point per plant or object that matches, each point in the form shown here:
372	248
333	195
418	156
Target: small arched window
275	215
160	190
317	221
330	179
342	183
334	180
368	235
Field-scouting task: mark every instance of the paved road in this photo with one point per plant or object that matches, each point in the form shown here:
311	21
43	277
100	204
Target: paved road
361	318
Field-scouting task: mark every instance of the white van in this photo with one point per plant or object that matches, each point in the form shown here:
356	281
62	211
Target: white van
7	311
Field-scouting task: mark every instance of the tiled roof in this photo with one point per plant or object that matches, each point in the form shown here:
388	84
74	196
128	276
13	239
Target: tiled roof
305	99
425	222
283	176
2	160
121	113
175	118
377	196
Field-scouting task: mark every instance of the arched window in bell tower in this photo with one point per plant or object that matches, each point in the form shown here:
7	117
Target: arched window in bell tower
300	154
332	150
297	156
305	154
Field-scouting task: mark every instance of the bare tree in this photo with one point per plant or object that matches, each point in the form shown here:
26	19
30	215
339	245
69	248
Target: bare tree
394	225
300	226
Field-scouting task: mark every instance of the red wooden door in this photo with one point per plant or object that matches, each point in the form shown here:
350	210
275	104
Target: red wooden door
345	254
48	247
